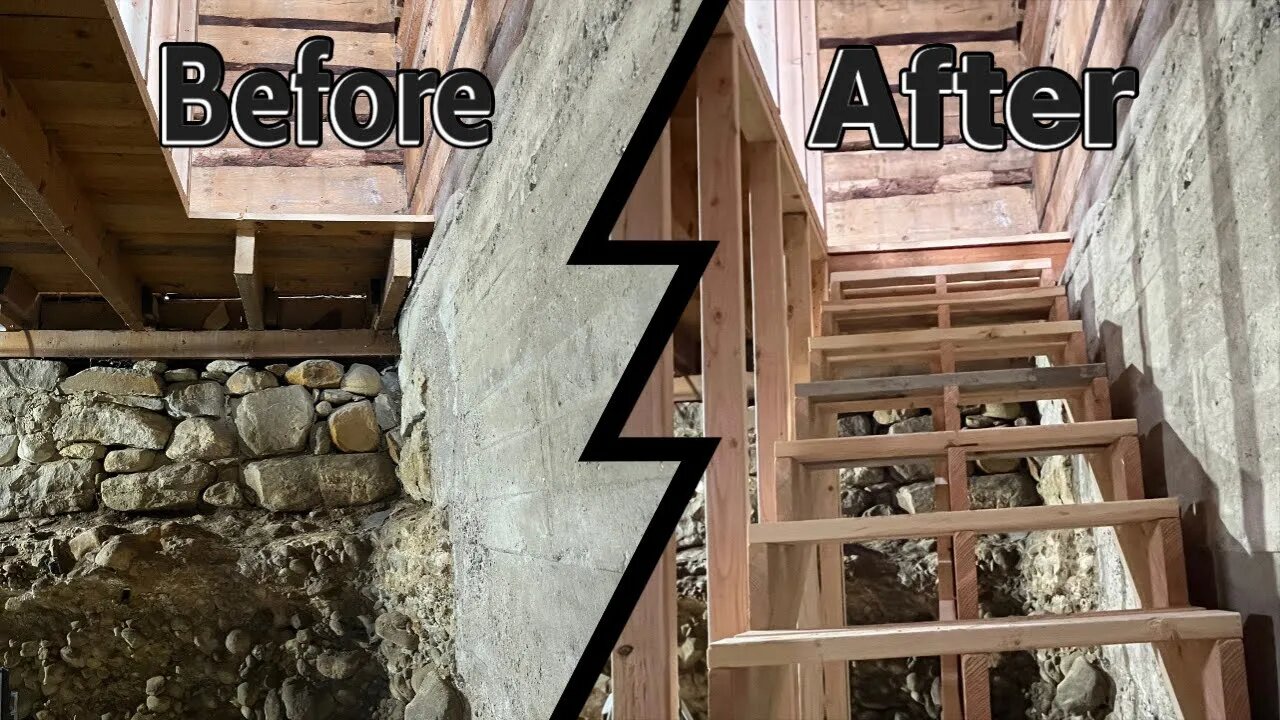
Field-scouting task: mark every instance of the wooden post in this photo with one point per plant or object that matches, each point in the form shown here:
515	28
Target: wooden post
723	361
769	316
795	238
1226	695
644	667
248	279
396	285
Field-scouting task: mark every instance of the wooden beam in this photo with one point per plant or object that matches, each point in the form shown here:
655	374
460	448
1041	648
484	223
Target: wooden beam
32	167
769	338
1000	520
893	449
723	361
644	666
795	236
974	334
396	286
197	344
18	298
987	270
1226	692
902	306
994	635
248	279
1047	379
941	243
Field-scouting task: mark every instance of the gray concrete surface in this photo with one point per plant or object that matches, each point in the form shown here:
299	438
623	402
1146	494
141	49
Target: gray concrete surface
1176	272
509	356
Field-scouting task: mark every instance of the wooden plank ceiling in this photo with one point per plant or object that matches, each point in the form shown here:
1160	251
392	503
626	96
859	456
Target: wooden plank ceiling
260	33
878	197
67	64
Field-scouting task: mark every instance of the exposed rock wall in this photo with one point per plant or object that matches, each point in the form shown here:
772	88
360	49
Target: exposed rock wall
220	541
1176	273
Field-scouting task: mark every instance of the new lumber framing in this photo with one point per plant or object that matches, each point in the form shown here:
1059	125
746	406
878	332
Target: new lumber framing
644	665
723	361
1044	380
989	442
933	524
32	167
197	344
972	636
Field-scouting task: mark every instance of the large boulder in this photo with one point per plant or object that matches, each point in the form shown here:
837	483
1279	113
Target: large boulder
1003	491
917	497
172	487
1082	690
361	379
201	399
275	421
202	438
387	408
115	381
55	488
111	424
434	699
307	482
128	460
247	380
354	427
31	375
315	374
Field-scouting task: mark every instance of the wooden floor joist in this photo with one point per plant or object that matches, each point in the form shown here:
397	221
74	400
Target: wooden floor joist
775	647
1000	520
33	169
198	344
874	450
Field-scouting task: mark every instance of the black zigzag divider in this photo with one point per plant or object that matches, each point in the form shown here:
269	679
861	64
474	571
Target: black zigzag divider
606	444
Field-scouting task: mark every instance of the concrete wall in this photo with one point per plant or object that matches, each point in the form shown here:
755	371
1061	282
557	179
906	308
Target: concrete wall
510	356
1176	271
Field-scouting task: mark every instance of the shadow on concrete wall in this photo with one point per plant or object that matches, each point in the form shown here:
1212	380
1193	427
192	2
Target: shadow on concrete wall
1260	636
1164	454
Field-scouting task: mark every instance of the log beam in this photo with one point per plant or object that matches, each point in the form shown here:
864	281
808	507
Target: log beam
197	344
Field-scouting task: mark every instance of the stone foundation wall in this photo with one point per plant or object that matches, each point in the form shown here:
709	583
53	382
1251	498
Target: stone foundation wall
147	438
217	540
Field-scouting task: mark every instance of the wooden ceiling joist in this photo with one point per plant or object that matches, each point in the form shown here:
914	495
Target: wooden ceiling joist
248	279
399	275
31	166
199	344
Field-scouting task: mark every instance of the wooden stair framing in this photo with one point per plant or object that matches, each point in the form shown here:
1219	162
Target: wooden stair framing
939	336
